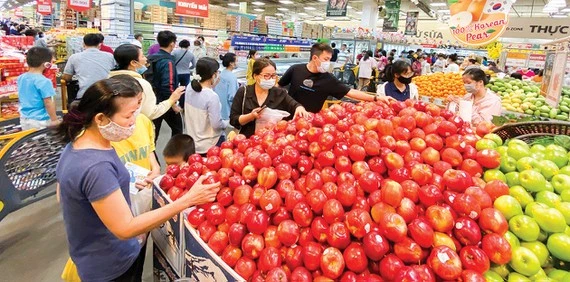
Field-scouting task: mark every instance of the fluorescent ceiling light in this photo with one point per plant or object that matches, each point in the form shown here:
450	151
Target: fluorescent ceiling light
257	3
549	9
438	4
565	10
302	14
286	2
282	9
443	11
279	14
359	12
258	10
310	8
233	4
324	1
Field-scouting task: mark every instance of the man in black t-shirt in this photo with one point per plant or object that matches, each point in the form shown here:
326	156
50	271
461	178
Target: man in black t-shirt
310	84
335	53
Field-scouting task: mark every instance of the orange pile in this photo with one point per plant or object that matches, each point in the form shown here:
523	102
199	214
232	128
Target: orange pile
440	85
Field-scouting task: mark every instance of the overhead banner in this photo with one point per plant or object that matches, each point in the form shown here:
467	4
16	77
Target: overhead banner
192	8
411	23
44	7
515	59
545	28
79	5
392	16
337	8
477	23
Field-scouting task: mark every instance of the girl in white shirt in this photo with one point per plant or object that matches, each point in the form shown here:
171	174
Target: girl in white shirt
202	107
452	66
367	63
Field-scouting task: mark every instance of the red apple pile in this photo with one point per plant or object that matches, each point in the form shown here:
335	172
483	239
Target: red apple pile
365	192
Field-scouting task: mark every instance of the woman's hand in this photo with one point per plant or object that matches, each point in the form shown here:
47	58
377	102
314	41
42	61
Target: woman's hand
177	109
301	112
256	113
175	96
201	193
452	98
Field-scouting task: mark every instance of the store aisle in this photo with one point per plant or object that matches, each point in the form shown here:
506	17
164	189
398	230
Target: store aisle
33	244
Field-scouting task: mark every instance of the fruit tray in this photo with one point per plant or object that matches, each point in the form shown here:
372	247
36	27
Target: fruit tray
529	131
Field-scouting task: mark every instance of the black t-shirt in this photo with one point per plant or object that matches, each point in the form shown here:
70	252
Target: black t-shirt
312	89
335	55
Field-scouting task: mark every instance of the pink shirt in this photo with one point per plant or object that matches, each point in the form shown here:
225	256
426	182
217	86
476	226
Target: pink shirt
485	108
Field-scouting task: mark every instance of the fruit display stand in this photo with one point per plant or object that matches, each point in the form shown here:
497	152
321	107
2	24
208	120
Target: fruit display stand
529	131
28	160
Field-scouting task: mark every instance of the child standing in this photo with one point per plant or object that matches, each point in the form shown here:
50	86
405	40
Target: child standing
35	91
178	149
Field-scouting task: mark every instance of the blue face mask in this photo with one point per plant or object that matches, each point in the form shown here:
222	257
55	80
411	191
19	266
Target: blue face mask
141	70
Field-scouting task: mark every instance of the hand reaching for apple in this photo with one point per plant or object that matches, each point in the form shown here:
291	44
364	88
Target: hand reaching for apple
201	193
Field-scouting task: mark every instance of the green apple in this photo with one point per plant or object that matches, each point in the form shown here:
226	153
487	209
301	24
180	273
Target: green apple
532	180
508	164
554	147
543	236
485	144
512	239
565	170
520	193
539	249
508	206
540	276
501	269
557	274
526	163
533	208
560	182
548	187
491	276
524	227
548	198
567	231
515	277
524	261
548	168
496	138
518	142
518	151
501	150
494	174
564	208
559	157
565	195
550	220
512	178
537	148
559	245
538	156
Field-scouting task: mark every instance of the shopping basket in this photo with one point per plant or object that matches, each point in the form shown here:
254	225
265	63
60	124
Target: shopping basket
28	160
531	130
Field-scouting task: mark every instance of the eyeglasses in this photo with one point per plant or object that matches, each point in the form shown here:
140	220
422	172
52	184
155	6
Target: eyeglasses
268	75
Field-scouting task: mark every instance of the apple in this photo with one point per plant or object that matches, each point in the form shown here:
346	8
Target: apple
394	227
524	227
473	258
390	267
491	276
548	198
526	163
524	261
442	239
408	251
375	245
558	244
440	218
489	158
355	258
508	164
485	144
332	263
512	178
518	149
245	267
522	196
539	249
561	182
508	206
457	180
467	232
491	220
550	220
445	263
497	248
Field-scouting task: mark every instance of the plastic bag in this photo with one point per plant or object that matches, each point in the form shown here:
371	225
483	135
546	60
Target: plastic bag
269	117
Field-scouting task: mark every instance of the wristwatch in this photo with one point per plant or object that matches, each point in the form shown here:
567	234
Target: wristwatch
375	98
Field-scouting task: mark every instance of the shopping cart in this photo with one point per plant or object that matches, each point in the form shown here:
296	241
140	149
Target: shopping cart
28	160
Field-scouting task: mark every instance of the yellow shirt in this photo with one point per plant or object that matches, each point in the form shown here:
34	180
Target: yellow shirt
137	148
249	72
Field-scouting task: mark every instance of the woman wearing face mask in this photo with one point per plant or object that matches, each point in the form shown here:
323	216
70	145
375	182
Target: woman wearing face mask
452	66
93	186
131	61
399	86
251	57
228	85
263	93
202	109
486	103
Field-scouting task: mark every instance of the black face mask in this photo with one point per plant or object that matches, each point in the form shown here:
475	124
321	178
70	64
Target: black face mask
405	80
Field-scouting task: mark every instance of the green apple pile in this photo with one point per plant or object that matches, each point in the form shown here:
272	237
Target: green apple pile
524	97
537	208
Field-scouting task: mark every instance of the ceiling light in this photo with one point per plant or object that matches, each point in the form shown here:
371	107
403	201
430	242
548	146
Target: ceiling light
348	7
282	9
557	3
279	14
549	9
258	10
286	2
359	12
257	3
319	18
310	8
233	4
438	4
302	14
565	10
324	1
443	11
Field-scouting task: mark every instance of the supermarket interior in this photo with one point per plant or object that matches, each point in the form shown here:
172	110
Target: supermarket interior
284	140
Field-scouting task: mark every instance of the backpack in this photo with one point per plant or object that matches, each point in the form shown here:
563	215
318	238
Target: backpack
148	75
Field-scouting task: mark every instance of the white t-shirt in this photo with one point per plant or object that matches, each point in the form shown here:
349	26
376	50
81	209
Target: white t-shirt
365	68
452	68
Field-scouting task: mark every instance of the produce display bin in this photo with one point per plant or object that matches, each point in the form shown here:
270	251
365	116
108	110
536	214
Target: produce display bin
28	160
528	131
179	251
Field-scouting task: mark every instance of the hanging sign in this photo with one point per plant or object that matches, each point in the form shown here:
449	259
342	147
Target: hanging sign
545	28
536	61
19	12
192	8
553	78
337	8
44	7
390	23
515	59
477	23
79	5
411	23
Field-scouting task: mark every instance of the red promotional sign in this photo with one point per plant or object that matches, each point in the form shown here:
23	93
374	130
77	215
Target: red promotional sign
79	5
192	8
44	7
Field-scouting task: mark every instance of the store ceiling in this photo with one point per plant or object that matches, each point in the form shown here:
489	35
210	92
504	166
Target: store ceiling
311	9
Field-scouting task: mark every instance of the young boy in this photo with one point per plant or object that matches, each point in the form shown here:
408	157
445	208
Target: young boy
178	149
35	91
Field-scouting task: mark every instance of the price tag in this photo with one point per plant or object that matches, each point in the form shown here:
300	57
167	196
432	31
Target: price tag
425	99
438	101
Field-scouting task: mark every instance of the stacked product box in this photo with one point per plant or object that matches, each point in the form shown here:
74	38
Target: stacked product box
10	69
217	18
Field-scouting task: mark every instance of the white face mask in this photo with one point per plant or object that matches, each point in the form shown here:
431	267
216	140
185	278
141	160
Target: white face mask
116	133
470	88
267	83
324	67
